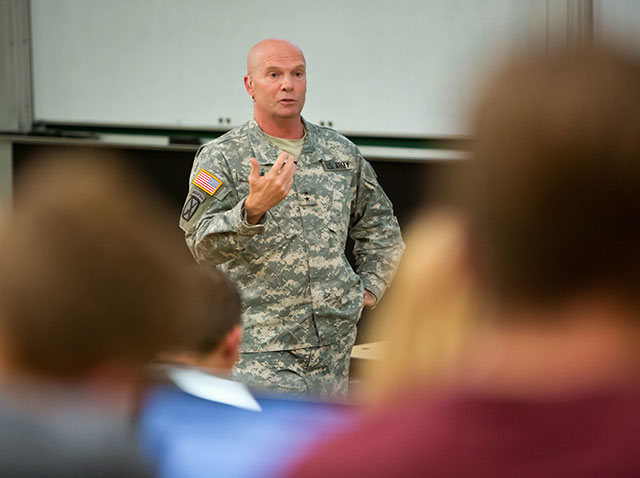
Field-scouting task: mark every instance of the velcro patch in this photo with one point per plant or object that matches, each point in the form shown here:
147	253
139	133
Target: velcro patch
333	165
197	193
207	182
191	206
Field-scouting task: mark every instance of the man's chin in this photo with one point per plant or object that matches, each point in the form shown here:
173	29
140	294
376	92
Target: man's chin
289	114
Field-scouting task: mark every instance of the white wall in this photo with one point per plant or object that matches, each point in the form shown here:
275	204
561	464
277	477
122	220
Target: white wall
618	21
403	67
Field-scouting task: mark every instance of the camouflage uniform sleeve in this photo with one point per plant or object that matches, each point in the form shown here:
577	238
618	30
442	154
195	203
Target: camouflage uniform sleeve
215	224
374	228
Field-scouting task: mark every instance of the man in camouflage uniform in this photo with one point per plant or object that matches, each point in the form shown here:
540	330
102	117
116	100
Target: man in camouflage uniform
271	203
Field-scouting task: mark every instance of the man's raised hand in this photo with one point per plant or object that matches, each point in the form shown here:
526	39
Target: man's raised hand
268	190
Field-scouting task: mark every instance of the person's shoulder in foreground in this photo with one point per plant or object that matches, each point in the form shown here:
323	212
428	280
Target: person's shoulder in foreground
70	439
467	434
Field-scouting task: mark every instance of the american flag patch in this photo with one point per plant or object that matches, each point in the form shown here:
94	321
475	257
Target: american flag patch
207	182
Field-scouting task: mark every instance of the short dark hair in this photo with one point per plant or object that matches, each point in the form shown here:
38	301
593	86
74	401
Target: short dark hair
92	269
553	193
217	311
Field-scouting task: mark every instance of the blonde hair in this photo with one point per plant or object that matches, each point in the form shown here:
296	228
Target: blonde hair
427	317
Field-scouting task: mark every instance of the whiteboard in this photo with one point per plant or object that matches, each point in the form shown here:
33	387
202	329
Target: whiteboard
618	22
375	67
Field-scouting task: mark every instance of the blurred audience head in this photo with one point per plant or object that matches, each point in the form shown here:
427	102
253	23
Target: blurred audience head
427	316
535	251
551	196
213	341
94	279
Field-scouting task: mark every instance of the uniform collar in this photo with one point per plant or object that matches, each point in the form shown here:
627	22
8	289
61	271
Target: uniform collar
211	387
266	152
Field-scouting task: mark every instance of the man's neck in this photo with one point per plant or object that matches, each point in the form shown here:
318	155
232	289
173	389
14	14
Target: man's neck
286	128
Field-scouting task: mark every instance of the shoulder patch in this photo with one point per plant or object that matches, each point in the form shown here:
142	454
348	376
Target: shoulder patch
207	182
197	193
191	206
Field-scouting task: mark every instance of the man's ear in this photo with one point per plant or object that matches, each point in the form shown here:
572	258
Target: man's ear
231	343
248	84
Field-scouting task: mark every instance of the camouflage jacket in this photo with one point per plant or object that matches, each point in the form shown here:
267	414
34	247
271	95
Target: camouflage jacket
297	286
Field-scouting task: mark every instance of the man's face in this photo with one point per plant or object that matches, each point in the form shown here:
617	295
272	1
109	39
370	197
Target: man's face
277	80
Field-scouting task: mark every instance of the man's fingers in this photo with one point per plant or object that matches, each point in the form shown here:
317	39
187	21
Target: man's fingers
275	169
255	169
289	168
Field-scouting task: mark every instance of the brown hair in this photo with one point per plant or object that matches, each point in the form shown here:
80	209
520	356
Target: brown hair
91	270
553	193
217	311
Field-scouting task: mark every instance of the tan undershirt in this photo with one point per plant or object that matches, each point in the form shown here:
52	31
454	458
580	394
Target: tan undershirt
291	146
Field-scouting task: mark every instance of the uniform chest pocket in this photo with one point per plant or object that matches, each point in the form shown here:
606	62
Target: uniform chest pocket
339	207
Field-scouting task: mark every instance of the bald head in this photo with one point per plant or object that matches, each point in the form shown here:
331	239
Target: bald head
276	79
271	48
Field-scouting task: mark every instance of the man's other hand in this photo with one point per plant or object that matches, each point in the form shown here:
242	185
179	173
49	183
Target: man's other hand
369	299
268	190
